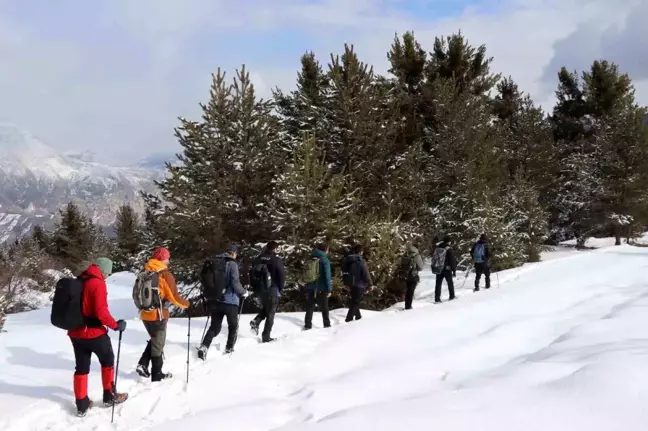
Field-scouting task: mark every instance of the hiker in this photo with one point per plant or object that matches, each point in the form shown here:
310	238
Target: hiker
481	256
222	290
267	278
155	320
411	264
93	338
356	278
444	266
319	285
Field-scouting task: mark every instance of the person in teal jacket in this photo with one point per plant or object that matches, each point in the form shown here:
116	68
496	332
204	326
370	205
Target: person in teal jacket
320	291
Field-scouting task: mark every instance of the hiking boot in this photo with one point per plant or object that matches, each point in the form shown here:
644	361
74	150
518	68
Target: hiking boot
254	327
438	301
109	398
202	353
476	289
143	371
83	410
268	340
228	350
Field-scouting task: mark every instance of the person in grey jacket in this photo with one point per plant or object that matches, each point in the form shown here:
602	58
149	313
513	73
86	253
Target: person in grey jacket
227	306
416	265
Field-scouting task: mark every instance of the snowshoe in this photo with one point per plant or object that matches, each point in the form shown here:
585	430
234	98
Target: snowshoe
254	327
202	353
117	398
161	376
143	371
83	413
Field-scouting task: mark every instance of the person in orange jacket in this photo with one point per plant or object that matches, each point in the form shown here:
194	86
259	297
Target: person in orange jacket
156	322
93	338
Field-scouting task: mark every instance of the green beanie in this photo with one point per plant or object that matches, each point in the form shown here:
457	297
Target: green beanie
105	265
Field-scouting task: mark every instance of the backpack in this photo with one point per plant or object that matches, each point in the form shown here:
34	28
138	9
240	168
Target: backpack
438	260
67	308
351	271
212	277
405	271
146	292
479	254
312	270
260	278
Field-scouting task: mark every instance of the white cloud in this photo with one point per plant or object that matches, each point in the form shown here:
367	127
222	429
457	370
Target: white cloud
123	96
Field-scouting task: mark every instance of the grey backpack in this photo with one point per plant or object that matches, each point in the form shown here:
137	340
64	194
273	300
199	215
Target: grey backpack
438	260
146	292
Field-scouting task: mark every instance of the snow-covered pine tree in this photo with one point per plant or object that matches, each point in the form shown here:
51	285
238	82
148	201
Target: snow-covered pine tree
215	194
128	240
74	239
311	203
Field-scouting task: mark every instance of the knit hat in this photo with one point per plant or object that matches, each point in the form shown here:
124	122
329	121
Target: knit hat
105	265
232	248
161	254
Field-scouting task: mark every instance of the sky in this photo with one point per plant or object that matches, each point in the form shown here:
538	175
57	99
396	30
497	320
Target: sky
111	77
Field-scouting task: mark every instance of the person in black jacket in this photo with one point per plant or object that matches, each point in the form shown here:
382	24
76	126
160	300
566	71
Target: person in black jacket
481	255
268	292
357	279
449	270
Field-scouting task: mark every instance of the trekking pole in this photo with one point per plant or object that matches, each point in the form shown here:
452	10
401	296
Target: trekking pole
112	418
465	279
188	342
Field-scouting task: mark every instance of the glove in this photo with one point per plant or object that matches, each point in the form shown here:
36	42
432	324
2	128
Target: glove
454	274
121	326
246	294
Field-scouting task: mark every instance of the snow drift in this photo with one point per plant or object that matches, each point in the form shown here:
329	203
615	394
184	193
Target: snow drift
560	345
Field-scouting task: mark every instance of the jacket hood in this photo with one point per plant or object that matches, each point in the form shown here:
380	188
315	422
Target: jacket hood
154	265
412	251
93	271
354	256
319	253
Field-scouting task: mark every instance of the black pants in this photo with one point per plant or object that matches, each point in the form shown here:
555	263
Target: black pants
219	311
155	345
83	350
321	299
269	303
447	275
409	293
482	268
355	300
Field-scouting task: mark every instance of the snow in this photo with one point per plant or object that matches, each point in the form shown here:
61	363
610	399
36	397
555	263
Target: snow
557	345
604	242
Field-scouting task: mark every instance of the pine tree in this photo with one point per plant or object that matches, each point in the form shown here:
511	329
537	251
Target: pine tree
215	194
74	239
128	238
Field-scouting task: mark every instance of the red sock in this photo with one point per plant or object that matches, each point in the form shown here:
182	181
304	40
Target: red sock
80	386
107	378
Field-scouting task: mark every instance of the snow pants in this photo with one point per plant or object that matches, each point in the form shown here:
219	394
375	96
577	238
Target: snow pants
447	275
83	350
482	268
409	293
269	302
220	311
355	300
155	346
321	299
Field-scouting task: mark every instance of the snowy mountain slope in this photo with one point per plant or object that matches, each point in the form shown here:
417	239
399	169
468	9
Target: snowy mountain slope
560	345
36	180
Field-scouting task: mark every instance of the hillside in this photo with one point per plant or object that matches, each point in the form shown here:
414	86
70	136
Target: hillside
36	180
560	345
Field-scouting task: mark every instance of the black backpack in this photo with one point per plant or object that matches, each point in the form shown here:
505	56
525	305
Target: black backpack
405	271
351	271
67	306
260	278
212	277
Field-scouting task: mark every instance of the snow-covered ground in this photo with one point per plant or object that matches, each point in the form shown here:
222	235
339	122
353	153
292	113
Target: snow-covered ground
605	242
559	345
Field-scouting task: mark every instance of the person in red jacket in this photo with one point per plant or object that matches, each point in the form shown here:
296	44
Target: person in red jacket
93	338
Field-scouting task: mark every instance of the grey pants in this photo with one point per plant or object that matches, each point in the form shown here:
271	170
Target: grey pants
155	346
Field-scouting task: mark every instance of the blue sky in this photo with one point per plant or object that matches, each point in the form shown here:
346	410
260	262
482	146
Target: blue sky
112	76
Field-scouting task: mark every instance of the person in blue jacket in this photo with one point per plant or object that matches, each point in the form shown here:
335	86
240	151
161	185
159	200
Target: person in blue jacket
319	292
227	306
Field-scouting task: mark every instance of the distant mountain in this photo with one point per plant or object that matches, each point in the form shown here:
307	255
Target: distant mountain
36	181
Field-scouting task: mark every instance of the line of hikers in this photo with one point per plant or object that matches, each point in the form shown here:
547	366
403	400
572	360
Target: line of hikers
80	304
